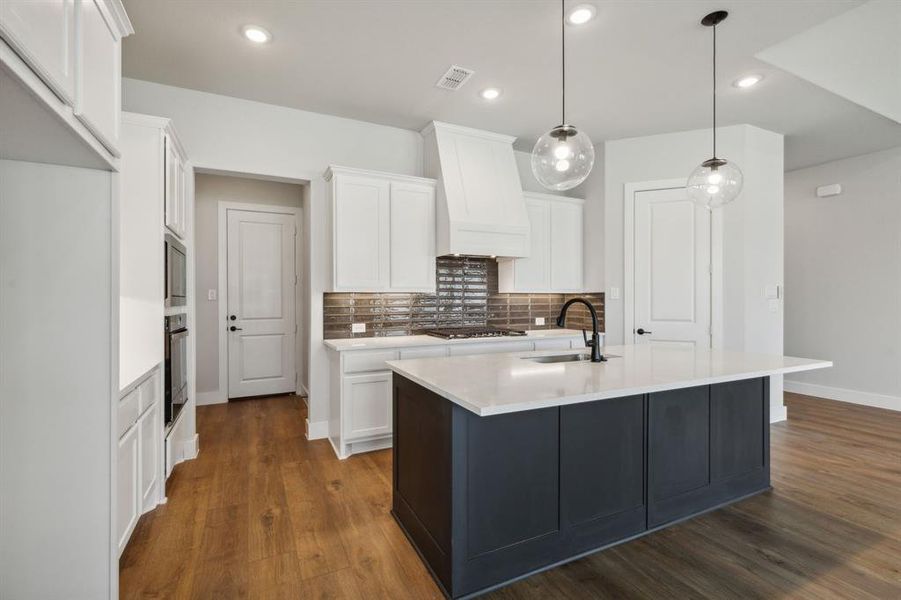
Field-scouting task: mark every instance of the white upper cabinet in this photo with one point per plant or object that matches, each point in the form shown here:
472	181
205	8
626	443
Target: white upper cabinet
412	237
43	33
566	245
383	231
362	223
555	262
67	55
99	71
175	206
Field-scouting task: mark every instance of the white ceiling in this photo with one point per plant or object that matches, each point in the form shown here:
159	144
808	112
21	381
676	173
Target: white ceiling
640	67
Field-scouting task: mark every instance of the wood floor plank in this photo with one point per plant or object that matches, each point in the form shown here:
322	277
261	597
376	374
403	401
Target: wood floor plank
264	513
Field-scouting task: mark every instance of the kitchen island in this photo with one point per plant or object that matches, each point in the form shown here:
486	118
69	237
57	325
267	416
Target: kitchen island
509	464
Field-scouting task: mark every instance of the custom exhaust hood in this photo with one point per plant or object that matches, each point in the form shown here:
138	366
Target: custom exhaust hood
480	209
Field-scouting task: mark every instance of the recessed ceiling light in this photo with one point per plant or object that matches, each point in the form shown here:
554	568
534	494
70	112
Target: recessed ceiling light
748	81
490	94
581	14
256	34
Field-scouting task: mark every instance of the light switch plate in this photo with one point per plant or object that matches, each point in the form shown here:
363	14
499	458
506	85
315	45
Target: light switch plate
539	320
358	328
614	293
211	295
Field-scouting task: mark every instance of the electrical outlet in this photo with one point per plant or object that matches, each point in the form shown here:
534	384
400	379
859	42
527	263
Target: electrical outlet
539	320
358	328
211	295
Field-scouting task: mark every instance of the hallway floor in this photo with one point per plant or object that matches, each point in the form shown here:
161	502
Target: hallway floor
264	514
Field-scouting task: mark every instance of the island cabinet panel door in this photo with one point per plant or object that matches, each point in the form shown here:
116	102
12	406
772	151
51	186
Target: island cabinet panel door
678	453
602	475
512	480
739	432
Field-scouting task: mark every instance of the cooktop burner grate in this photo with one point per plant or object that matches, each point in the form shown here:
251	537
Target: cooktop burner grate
457	333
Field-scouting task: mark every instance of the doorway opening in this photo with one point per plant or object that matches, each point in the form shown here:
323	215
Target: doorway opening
250	307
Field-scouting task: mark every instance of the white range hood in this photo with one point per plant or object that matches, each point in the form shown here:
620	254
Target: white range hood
481	210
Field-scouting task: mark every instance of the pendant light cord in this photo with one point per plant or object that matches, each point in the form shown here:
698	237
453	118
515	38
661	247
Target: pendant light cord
714	91
563	60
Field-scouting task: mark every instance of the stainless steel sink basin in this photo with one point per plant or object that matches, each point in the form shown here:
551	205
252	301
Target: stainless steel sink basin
558	358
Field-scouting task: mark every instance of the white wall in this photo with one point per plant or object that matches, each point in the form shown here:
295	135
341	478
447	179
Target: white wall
209	190
843	278
752	229
232	135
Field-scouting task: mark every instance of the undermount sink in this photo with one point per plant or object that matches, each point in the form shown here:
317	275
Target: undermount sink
558	358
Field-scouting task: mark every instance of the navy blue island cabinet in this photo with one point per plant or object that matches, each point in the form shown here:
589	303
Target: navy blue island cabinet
486	500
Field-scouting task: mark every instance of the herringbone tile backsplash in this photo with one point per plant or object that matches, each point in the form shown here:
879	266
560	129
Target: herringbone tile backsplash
466	296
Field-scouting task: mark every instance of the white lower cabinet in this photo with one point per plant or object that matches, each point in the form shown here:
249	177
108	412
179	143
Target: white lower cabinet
362	392
139	468
368	401
127	487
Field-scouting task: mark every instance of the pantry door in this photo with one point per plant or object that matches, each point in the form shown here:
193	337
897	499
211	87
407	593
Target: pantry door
261	317
671	269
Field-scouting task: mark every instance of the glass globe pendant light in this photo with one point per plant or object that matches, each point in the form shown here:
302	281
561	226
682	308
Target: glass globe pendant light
716	181
563	157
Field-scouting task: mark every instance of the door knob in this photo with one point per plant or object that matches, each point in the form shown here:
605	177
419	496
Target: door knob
233	328
641	331
232	318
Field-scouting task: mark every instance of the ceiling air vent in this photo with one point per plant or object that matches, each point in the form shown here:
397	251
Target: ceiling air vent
455	78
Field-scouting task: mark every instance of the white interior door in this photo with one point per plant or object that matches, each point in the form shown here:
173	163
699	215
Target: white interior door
672	269
261	296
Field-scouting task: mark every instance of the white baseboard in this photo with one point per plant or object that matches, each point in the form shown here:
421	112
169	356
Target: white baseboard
191	448
303	391
214	397
317	430
844	395
778	413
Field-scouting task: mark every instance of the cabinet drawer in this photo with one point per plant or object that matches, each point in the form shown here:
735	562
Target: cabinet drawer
149	391
129	409
490	348
428	352
359	362
555	344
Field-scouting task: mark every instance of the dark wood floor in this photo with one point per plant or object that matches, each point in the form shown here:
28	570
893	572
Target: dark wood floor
262	513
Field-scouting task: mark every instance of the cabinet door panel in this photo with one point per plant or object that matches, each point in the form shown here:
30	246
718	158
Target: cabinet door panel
533	273
737	426
127	487
43	33
512	487
602	458
566	246
150	440
367	405
361	228
412	237
171	201
678	434
99	74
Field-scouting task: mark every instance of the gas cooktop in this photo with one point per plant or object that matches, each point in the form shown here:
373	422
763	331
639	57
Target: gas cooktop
458	333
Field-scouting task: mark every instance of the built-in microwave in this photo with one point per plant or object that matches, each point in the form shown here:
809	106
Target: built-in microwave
176	284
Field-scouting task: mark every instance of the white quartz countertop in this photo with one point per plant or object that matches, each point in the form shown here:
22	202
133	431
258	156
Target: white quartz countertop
406	341
491	384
